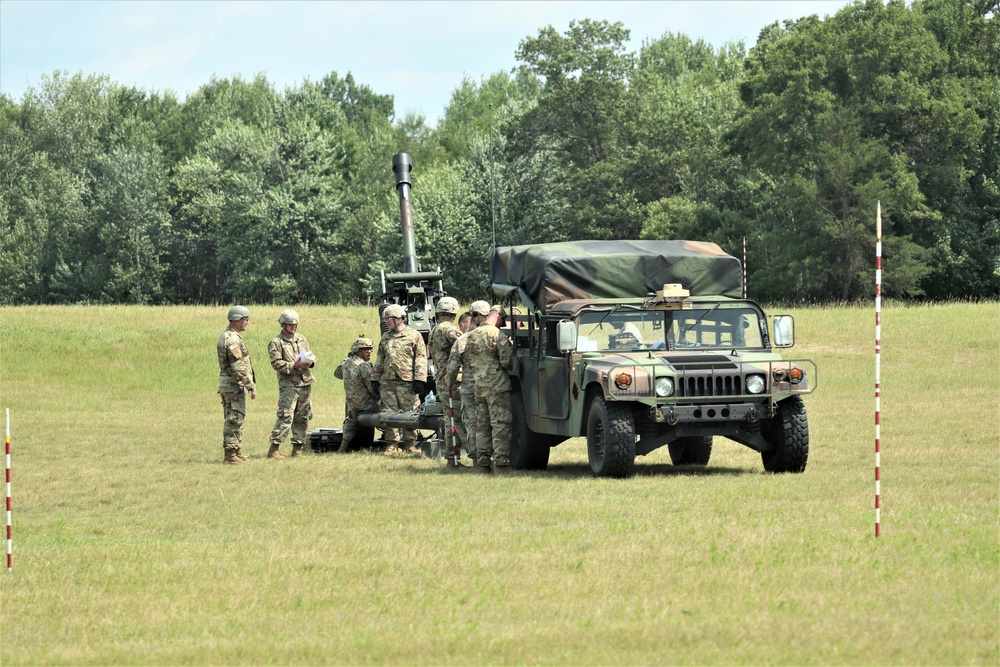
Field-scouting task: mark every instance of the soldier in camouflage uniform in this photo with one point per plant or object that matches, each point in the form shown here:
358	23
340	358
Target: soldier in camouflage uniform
440	345
464	384
356	372
235	379
489	354
400	375
291	358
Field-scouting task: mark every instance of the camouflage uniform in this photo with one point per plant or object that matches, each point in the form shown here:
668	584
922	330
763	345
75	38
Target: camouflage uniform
294	389
466	390
489	353
360	397
442	340
235	379
401	360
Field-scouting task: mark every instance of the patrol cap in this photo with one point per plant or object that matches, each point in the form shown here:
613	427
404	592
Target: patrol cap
479	308
288	316
394	310
447	305
238	313
362	343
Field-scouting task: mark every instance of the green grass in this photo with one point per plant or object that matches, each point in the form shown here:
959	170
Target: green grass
134	545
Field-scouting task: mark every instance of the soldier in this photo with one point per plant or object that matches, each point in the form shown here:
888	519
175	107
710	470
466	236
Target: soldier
400	375
235	378
460	377
291	358
490	353
441	343
356	372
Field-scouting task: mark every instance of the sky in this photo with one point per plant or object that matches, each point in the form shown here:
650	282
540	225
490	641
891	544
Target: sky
417	51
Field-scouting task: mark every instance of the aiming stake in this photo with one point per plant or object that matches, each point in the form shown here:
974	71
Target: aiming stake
10	553
878	369
744	267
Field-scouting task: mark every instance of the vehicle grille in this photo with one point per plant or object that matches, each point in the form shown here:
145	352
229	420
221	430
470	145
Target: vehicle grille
703	385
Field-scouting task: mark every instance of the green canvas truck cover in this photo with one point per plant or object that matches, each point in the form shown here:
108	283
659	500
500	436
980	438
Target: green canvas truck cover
547	273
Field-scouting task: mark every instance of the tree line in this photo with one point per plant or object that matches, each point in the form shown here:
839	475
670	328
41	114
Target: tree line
243	193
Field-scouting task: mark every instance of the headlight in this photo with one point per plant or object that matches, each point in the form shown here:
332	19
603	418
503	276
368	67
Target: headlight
664	387
755	384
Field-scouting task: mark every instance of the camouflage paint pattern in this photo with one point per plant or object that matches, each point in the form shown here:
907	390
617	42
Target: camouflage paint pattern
294	413
398	396
466	385
487	355
402	355
359	395
294	390
442	340
283	350
235	379
547	273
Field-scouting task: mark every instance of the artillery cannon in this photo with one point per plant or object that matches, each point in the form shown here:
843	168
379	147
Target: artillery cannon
417	292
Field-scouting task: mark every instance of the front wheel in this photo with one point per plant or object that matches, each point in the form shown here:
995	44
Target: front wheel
691	451
788	432
528	450
610	439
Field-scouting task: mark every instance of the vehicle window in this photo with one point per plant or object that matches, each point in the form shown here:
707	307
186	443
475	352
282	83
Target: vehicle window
715	328
620	331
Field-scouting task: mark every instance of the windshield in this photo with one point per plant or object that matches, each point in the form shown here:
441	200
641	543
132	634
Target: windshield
709	327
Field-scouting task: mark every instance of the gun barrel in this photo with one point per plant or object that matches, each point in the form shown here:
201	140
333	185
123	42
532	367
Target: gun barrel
402	165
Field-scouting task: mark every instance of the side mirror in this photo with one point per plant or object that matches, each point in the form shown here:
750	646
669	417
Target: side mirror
566	336
784	331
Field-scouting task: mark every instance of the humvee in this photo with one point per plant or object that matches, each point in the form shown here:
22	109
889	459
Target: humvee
638	345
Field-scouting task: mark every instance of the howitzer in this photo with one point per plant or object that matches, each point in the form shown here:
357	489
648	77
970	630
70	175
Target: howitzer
415	290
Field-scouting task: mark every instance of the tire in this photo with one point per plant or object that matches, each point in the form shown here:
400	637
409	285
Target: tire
528	450
789	433
691	451
610	439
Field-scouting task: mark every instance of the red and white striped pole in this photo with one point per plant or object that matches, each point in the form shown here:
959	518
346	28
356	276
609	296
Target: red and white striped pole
878	370
10	553
744	267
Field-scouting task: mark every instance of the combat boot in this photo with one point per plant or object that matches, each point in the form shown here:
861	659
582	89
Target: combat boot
391	449
410	446
273	453
297	452
483	470
501	470
232	457
241	456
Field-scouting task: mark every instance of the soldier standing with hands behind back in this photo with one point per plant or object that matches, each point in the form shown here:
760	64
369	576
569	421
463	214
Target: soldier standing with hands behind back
235	378
400	374
291	358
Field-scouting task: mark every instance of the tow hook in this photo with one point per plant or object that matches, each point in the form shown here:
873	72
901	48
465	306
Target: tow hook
669	416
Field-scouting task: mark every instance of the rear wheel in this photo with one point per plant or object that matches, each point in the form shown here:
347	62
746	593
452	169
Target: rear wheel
610	439
788	432
691	451
528	450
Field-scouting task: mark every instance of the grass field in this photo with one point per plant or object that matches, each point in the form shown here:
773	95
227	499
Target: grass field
134	545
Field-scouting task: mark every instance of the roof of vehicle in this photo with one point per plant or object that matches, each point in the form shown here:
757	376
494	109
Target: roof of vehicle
545	274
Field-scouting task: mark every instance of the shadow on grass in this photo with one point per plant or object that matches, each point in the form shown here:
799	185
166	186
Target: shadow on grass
581	470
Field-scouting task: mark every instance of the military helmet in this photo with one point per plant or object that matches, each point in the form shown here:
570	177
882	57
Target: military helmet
394	310
288	316
479	308
362	343
238	313
447	305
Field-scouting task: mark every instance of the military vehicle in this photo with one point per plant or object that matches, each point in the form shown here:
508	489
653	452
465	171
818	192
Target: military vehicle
638	345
